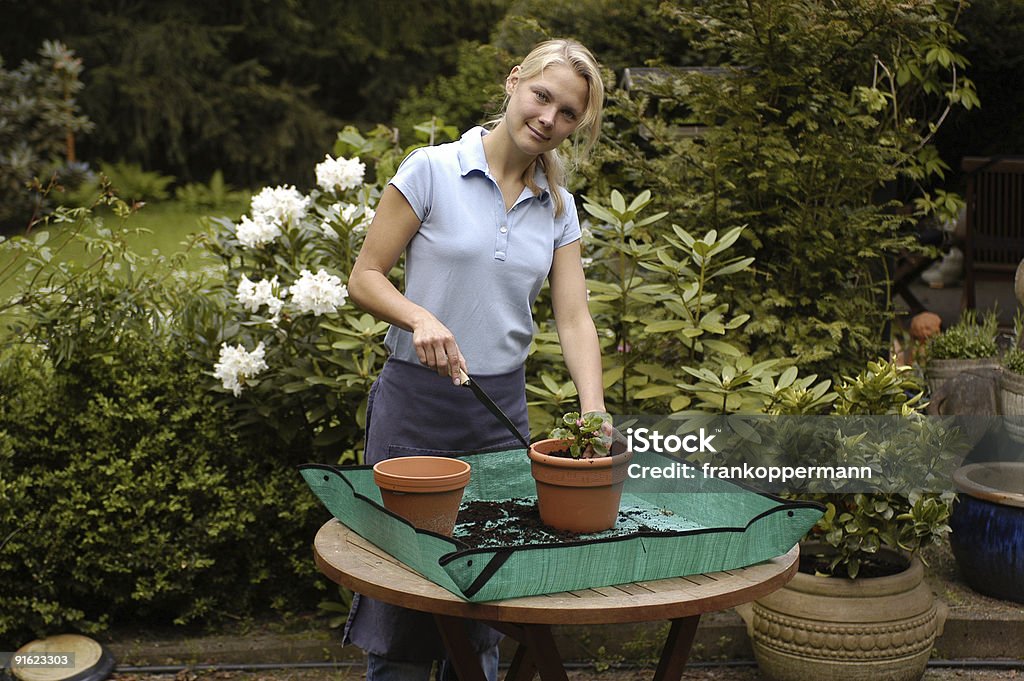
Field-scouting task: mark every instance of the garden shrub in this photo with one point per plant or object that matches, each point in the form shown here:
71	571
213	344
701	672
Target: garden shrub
216	194
297	355
128	493
133	183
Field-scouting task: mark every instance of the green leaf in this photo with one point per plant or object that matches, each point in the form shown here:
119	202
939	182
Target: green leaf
550	383
722	347
666	325
618	202
655	391
600	213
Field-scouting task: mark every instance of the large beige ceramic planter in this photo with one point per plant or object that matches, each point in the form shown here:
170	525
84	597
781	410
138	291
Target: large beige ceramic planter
867	629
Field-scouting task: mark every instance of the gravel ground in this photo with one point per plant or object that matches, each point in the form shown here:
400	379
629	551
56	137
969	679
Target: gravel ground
692	674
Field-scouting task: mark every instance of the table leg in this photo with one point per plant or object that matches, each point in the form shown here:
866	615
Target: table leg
522	667
460	653
677	649
545	655
536	652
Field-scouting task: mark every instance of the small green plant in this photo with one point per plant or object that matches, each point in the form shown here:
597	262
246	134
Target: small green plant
133	183
967	339
912	452
1013	360
584	435
216	194
874	420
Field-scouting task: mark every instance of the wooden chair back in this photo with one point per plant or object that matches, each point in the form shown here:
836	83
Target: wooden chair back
994	229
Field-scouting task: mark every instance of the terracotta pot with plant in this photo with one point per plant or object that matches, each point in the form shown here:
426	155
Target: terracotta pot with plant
579	475
859	608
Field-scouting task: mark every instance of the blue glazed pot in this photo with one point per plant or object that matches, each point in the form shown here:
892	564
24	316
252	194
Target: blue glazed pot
988	528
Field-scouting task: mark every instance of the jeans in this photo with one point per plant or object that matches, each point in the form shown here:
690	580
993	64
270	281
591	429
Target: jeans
383	669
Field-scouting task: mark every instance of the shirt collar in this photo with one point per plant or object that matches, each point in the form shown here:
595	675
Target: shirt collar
472	157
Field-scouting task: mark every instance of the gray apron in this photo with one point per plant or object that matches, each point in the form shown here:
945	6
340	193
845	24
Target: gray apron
411	411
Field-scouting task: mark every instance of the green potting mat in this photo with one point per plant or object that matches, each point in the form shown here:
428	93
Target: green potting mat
699	525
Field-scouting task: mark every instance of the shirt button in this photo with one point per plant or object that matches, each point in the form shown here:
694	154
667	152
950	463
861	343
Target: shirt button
503	229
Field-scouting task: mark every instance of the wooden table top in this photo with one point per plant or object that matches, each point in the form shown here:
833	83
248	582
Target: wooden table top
348	559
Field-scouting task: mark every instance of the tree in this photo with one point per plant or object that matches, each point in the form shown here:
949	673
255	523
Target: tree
39	121
994	32
815	130
257	89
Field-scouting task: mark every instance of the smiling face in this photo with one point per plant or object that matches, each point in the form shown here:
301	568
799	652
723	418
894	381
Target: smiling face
543	111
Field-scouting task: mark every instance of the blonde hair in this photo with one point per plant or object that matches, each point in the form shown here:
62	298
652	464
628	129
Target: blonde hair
573	54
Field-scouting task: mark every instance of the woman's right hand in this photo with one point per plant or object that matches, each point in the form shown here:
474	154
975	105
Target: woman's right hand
436	348
369	287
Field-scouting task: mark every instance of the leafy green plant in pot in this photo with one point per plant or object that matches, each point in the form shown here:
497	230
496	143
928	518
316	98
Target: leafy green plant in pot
967	346
859	607
579	474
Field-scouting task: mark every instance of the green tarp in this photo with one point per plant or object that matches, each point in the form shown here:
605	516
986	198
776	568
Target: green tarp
675	528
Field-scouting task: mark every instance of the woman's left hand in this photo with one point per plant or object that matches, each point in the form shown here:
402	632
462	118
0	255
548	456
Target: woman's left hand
610	436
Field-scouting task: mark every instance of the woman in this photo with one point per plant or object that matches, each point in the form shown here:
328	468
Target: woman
482	221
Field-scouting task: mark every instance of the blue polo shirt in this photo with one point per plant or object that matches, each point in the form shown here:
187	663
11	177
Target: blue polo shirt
474	265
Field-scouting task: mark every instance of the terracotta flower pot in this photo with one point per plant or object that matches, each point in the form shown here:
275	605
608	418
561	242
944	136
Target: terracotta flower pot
425	490
864	629
988	528
577	495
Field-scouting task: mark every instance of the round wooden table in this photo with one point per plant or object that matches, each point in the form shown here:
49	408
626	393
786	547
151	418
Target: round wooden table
348	559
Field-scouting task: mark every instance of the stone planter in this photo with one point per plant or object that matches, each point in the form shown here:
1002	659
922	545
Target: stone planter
577	495
865	629
938	371
1011	404
988	528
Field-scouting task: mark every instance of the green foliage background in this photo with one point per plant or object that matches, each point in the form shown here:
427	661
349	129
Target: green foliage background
735	267
256	89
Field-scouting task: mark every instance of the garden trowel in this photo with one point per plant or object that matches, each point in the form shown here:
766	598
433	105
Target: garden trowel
485	399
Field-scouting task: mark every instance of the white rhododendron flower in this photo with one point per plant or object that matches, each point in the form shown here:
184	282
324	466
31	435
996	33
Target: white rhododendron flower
327	229
320	293
339	173
236	365
252	295
345	213
364	222
281	205
256	233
